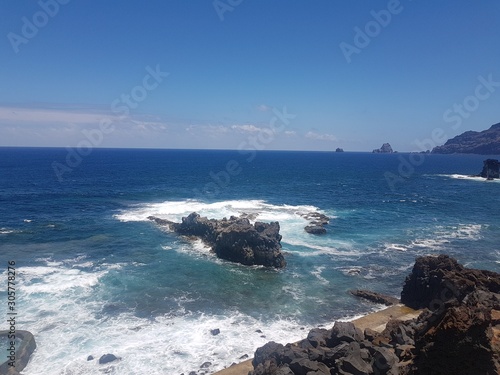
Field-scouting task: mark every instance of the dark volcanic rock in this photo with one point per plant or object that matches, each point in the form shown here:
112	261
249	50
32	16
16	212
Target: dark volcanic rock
317	222
486	142
315	229
236	239
375	297
436	280
460	335
215	331
462	340
491	169
106	358
385	149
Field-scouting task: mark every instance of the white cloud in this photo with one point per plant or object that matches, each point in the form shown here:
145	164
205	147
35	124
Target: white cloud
263	108
36	115
250	129
290	133
320	137
211	130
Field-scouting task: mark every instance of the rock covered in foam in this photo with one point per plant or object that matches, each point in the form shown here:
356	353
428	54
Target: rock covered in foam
234	239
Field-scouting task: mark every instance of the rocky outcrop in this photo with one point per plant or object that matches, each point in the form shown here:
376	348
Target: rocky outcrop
435	279
491	169
486	142
339	149
457	333
234	239
317	222
385	149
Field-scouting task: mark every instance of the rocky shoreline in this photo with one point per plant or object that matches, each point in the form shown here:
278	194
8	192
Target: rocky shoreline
458	332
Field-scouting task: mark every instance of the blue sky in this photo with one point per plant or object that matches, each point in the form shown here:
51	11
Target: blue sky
216	74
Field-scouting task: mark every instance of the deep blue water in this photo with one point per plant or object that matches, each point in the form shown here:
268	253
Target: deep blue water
95	276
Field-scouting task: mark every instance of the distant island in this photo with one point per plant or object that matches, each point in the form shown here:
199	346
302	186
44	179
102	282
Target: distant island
385	149
486	142
339	149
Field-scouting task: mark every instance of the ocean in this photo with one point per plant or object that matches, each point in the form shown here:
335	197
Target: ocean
95	276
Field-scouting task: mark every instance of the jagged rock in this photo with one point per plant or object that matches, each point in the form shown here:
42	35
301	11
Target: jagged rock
491	169
344	332
318	337
439	280
486	142
462	337
462	341
338	149
385	149
303	366
353	363
234	239
375	297
317	222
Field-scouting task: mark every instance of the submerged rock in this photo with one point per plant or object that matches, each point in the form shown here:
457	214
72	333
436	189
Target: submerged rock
106	358
317	222
234	239
375	297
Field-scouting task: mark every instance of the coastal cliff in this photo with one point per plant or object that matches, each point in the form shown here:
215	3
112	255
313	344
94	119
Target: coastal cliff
457	333
486	142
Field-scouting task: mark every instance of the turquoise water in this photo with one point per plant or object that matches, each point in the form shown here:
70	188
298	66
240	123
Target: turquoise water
95	276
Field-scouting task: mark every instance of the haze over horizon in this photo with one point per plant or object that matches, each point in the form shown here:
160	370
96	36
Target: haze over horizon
225	73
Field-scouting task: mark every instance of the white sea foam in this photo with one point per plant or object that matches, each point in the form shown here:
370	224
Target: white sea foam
443	235
290	217
470	178
61	307
318	270
7	231
175	210
395	247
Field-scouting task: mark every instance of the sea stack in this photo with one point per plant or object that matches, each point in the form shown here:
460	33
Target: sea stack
491	169
385	149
